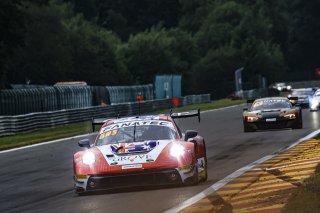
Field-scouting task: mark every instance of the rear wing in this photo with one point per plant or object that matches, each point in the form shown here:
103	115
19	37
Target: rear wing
250	101
98	121
192	113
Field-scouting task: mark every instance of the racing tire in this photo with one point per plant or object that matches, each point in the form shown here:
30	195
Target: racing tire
79	192
206	171
298	124
206	163
194	180
246	128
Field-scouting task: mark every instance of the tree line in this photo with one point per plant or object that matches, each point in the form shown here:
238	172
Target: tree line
121	42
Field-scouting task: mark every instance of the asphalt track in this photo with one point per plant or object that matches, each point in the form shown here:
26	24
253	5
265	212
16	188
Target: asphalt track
39	179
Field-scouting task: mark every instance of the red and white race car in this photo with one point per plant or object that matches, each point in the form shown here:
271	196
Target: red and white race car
140	151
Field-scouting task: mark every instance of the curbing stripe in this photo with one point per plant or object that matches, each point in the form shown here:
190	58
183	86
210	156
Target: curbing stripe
213	188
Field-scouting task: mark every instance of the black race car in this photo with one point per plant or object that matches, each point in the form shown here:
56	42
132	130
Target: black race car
272	113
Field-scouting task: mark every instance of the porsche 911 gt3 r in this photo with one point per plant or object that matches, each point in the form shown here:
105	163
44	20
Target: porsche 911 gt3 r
272	113
140	151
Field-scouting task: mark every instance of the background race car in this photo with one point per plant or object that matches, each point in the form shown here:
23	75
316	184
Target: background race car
271	113
304	96
141	151
315	101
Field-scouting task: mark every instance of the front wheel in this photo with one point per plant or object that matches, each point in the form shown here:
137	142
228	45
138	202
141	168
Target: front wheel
246	128
298	124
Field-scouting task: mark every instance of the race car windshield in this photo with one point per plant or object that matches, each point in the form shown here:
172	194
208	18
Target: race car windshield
300	93
136	134
270	104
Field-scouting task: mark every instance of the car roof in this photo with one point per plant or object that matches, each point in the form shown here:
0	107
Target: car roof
139	118
272	98
303	89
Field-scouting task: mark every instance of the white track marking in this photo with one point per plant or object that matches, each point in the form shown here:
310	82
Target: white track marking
234	175
45	143
212	110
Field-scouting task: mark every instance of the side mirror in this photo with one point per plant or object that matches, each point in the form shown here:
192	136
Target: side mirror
84	143
245	109
190	134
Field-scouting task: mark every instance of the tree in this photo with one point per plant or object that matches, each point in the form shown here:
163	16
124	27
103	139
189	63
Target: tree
94	52
235	35
11	36
304	43
43	57
149	53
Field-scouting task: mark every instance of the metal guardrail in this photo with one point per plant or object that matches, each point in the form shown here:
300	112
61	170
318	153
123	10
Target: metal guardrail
10	125
22	101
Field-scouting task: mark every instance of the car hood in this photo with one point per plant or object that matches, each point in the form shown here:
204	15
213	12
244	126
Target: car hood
270	113
135	152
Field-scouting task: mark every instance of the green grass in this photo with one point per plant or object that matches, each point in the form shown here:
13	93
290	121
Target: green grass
306	198
38	136
22	139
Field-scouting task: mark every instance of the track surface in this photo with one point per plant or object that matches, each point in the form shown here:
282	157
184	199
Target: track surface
39	179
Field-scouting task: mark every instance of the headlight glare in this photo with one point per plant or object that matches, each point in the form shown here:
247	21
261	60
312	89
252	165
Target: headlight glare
290	116
176	150
88	158
252	119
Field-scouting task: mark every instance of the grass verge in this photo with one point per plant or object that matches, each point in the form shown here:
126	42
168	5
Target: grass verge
69	130
37	136
305	198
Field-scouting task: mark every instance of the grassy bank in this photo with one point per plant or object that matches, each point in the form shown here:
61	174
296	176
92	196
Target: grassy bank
306	198
69	130
8	142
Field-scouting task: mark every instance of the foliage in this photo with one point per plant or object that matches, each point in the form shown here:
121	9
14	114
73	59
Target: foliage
125	42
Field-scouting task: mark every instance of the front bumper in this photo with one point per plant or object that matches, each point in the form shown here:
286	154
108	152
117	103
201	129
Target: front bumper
278	124
134	179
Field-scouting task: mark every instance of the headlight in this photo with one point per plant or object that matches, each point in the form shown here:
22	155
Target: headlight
88	158
288	87
252	119
290	116
176	150
279	88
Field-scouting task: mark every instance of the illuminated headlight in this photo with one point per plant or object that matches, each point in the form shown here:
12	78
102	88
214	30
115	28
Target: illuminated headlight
88	158
176	150
279	88
290	116
288	87
252	119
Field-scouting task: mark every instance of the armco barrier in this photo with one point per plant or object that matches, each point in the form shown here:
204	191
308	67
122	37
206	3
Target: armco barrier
10	125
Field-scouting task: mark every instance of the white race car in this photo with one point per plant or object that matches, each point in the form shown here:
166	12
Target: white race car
315	101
